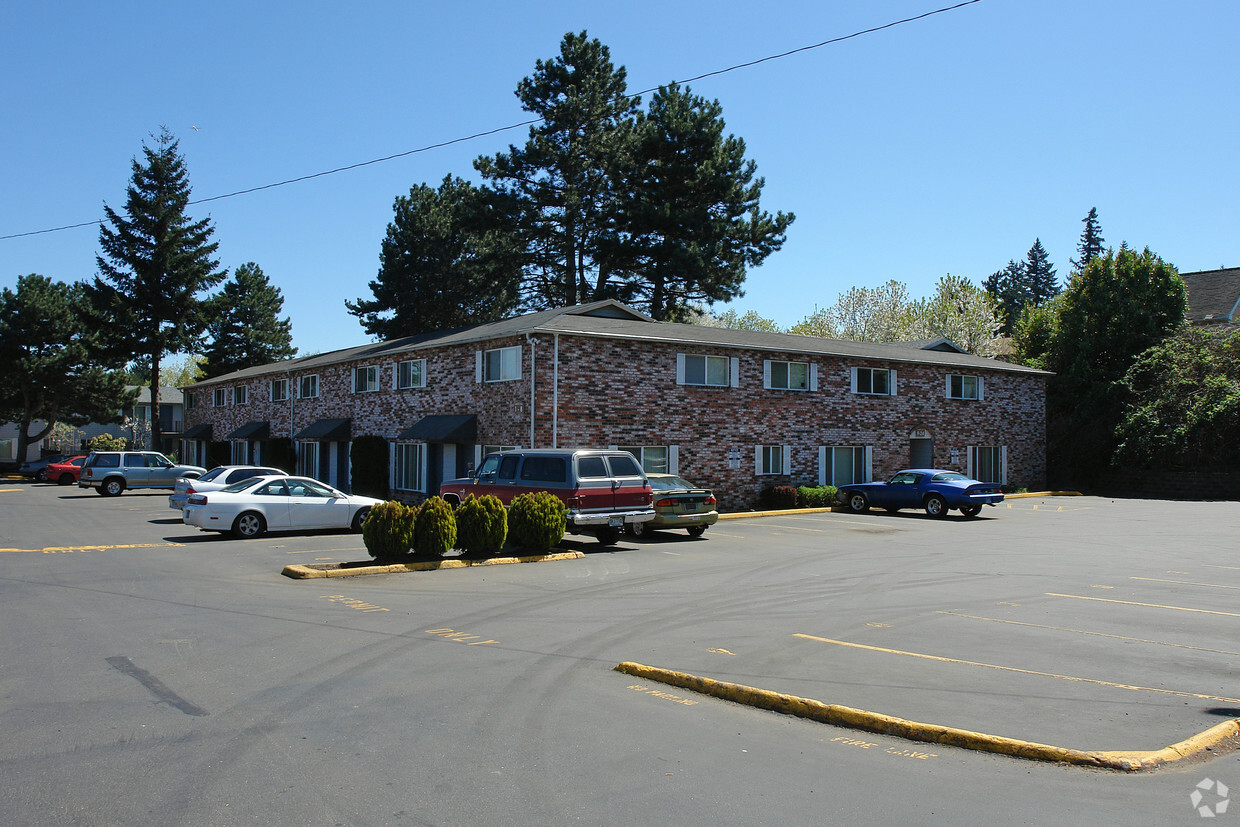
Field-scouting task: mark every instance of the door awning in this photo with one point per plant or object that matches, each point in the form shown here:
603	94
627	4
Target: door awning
252	430
443	428
326	430
202	432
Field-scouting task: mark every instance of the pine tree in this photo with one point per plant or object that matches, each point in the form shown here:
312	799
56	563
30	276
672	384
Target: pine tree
1040	278
155	265
246	329
1009	289
1090	245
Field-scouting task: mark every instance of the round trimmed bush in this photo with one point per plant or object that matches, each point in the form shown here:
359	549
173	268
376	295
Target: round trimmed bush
435	532
388	530
537	521
481	525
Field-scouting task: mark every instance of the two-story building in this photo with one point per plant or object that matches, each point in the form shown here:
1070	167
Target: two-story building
735	410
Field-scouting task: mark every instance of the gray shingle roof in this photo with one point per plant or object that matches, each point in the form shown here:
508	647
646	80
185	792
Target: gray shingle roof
1213	295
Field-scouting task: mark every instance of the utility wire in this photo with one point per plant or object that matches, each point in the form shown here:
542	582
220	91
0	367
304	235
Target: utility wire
531	122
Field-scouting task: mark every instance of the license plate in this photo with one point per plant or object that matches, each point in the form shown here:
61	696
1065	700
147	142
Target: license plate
691	507
615	522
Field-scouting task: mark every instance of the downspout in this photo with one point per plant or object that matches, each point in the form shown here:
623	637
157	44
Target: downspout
292	395
533	342
555	393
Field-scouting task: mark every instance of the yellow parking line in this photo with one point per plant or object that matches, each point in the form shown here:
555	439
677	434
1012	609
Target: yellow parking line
1094	634
68	549
1183	583
1147	605
1019	671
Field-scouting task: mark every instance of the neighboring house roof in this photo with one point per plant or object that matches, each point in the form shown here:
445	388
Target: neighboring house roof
1213	296
167	395
613	320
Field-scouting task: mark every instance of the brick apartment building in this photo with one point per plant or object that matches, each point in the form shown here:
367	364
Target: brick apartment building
735	410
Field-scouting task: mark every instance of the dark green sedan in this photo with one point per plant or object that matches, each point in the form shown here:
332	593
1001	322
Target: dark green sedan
678	503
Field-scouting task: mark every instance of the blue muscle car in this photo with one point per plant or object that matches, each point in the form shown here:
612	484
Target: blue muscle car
932	489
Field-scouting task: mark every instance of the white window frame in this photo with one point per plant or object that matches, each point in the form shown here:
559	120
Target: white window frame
651	465
979	388
509	363
308	454
409	466
219	398
826	463
770	368
239	452
731	368
765	459
311	378
972	462
416	377
282	384
241	395
366	379
891	381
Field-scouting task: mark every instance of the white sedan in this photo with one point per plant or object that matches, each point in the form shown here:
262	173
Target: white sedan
253	506
218	477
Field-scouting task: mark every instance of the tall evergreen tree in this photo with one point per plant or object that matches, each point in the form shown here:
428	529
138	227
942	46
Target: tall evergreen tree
451	258
1090	245
1039	275
155	266
1009	289
52	367
246	329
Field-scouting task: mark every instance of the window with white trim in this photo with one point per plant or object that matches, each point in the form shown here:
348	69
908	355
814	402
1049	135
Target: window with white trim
701	369
502	364
240	452
366	379
844	465
408	466
987	463
241	395
787	376
308	386
220	398
654	459
874	381
279	390
960	386
771	460
411	374
308	459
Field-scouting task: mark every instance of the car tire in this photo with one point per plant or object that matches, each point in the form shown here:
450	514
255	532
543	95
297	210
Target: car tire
360	517
638	529
249	525
971	510
607	536
112	487
936	506
857	502
66	479
697	530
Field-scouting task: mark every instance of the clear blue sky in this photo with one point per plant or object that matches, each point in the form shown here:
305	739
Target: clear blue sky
944	145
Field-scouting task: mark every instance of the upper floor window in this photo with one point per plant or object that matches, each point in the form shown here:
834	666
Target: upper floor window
241	395
191	400
788	376
963	387
875	381
411	374
366	380
501	365
220	397
700	369
308	386
279	390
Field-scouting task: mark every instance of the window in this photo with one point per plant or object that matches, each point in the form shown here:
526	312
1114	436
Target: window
771	459
497	449
875	381
588	467
239	452
279	390
409	466
411	374
221	397
988	464
624	467
241	395
308	459
545	469
654	459
308	386
963	387
7	450
693	369
191	400
788	376
366	380
502	364
844	465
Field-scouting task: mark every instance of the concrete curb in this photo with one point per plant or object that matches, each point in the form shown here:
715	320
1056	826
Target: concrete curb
844	716
306	572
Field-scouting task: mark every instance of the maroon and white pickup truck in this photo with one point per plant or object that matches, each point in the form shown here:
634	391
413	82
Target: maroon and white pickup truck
604	490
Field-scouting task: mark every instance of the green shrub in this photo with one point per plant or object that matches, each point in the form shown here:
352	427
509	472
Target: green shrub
777	497
537	521
481	525
106	442
818	496
368	458
435	533
388	530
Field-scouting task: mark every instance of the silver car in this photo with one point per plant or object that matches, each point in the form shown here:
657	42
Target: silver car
215	479
111	472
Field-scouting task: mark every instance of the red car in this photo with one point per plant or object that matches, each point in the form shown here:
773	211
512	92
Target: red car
64	473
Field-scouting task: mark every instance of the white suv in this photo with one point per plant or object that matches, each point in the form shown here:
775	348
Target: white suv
111	472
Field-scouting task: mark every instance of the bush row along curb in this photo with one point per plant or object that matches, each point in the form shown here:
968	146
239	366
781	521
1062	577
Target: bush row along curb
844	716
303	572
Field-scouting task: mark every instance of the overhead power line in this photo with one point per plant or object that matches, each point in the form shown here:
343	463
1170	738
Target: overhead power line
497	130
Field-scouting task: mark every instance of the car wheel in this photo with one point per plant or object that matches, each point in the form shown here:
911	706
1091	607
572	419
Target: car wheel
857	503
697	530
112	488
360	517
936	506
971	510
608	536
66	479
638	529
248	525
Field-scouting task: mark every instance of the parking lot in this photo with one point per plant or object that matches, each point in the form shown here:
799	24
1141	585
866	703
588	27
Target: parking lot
136	647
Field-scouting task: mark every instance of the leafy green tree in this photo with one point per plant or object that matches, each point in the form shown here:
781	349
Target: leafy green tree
245	328
690	213
1090	245
1182	407
450	259
730	319
960	312
156	264
53	372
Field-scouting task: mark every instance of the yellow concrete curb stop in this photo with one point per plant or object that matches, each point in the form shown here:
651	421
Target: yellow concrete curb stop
306	572
845	716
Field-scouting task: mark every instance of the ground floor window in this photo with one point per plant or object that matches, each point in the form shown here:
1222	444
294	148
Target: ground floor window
771	459
409	464
988	464
240	453
6	450
308	459
654	458
845	465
